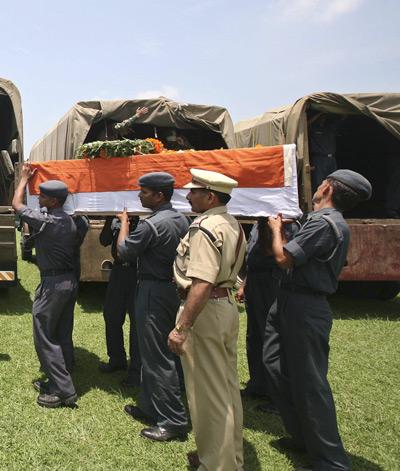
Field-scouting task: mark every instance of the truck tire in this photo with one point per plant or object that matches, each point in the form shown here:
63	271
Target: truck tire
383	290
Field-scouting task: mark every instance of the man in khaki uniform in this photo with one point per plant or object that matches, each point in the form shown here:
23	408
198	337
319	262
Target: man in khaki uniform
209	258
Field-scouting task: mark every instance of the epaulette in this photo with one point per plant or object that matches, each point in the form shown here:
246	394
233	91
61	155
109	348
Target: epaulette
336	231
197	225
151	225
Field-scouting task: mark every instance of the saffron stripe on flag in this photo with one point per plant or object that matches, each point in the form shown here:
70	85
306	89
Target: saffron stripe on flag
260	167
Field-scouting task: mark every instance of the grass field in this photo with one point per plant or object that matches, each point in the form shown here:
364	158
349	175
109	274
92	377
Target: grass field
97	435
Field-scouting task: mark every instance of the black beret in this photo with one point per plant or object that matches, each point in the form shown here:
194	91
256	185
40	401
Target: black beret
54	188
355	181
157	180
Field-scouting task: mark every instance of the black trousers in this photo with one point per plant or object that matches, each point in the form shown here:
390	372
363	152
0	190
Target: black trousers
120	299
260	292
156	307
296	354
53	320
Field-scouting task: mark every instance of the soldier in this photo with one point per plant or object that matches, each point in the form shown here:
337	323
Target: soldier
57	241
258	291
124	128
206	267
297	332
154	243
120	298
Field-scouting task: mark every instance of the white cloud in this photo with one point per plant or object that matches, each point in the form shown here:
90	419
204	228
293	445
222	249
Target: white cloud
340	7
165	90
317	10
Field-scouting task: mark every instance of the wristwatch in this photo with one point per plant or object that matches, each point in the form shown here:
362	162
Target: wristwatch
180	329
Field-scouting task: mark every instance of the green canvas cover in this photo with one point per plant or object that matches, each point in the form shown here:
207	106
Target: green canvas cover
62	141
288	124
14	123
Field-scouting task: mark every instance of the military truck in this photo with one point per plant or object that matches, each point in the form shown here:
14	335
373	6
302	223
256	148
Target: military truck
11	153
356	131
177	125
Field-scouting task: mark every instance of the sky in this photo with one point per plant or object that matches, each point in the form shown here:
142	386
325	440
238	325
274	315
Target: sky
248	56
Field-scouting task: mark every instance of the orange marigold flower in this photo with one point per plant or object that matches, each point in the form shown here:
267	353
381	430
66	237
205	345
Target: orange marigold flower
158	145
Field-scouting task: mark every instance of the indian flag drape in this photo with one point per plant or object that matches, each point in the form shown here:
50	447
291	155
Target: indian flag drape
267	180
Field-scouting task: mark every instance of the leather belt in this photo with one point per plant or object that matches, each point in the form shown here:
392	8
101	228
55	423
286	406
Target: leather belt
55	272
216	293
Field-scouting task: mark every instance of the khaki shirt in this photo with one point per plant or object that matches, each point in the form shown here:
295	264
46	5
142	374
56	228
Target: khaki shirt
218	261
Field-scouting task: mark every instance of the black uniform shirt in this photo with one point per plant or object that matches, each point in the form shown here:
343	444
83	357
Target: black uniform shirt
110	232
256	259
312	245
57	245
154	242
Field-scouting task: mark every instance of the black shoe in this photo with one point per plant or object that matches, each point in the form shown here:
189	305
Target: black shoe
137	414
246	392
130	382
194	460
268	408
41	386
161	434
52	400
110	367
287	443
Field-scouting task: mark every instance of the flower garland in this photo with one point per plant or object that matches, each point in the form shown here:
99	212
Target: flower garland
123	148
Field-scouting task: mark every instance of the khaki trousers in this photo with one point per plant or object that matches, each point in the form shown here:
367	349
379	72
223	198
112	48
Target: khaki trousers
212	386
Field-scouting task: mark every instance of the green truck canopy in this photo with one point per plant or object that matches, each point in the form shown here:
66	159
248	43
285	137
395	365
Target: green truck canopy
94	120
288	124
10	115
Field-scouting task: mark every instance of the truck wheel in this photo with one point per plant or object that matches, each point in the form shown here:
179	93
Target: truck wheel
389	290
384	290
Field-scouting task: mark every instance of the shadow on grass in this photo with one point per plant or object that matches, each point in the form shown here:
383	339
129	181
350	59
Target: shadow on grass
358	463
272	424
344	307
91	296
5	357
86	376
15	301
250	457
260	421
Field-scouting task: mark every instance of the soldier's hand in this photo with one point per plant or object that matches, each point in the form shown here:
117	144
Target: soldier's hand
275	223
240	294
176	341
27	172
141	111
123	217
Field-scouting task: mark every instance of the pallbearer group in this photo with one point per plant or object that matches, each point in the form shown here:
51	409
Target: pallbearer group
174	276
